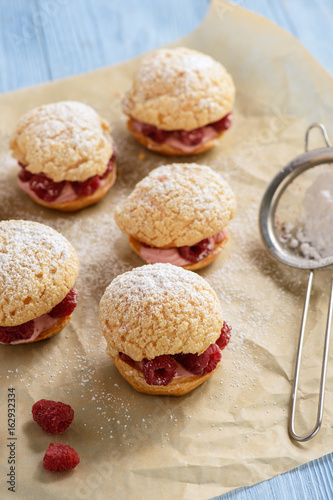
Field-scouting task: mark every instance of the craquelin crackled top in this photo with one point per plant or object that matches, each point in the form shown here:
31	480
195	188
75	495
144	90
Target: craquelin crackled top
159	309
179	89
66	140
176	205
38	267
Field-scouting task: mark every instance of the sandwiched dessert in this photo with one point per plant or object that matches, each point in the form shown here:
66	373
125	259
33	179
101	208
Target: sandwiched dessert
38	270
164	328
180	102
178	214
66	155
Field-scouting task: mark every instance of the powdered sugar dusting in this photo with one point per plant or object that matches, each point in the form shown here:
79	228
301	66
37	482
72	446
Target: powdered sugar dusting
248	396
65	140
159	309
312	235
179	89
176	205
35	262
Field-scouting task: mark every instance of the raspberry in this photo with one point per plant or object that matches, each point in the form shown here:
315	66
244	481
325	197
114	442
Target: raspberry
45	188
223	124
109	167
66	306
197	252
19	332
200	364
156	134
88	187
60	457
127	359
53	417
224	338
24	175
160	136
160	370
191	137
147	129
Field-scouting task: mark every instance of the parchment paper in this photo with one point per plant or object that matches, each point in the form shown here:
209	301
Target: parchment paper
232	431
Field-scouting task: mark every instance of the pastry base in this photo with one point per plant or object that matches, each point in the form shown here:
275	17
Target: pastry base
178	386
53	330
165	148
136	246
82	201
49	332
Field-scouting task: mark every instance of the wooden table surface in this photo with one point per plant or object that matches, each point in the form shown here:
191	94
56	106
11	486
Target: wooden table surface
42	40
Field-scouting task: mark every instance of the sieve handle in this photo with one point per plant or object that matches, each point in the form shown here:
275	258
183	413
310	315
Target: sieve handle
321	127
317	426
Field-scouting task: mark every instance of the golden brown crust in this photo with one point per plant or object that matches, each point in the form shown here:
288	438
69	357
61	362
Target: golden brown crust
66	140
53	330
168	149
38	267
83	201
177	205
177	387
136	246
179	89
159	309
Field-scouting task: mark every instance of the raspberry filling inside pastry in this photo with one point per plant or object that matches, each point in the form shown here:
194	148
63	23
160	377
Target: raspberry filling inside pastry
182	256
47	190
163	369
30	330
183	139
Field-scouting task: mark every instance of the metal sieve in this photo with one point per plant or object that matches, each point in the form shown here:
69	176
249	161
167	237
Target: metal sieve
267	211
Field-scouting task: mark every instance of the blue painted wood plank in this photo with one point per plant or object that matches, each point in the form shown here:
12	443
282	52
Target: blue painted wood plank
311	22
22	60
104	32
311	481
47	39
316	31
42	40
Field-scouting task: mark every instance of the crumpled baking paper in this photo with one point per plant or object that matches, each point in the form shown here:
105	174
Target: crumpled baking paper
231	431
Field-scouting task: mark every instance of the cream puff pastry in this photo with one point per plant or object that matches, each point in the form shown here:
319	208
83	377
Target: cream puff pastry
178	214
66	155
164	328
180	102
38	270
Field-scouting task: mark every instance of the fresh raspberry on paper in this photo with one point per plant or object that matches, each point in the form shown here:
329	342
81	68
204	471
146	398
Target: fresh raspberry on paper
60	457
53	417
224	338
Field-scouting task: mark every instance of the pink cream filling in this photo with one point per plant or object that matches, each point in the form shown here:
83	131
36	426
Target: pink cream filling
209	133
154	255
67	194
41	323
